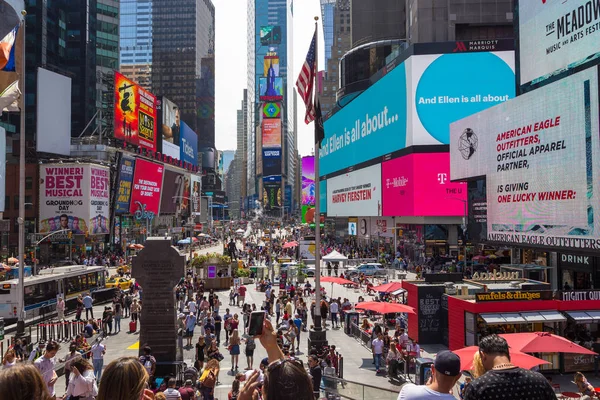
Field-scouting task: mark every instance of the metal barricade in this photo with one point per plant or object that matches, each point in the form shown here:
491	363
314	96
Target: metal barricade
336	388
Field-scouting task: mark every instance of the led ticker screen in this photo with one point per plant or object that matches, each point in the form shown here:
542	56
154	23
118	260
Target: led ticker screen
270	34
308	181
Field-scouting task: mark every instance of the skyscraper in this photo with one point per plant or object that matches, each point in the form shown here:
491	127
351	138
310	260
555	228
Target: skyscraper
136	41
183	47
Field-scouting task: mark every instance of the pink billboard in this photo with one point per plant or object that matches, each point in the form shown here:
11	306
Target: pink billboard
419	185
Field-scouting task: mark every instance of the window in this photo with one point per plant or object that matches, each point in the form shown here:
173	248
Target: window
40	292
16	203
28	183
6	203
28	202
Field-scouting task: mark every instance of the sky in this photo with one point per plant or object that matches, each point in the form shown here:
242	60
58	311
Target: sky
231	66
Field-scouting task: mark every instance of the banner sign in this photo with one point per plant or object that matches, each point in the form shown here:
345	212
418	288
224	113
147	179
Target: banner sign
188	145
175	193
99	200
355	193
170	127
579	295
196	187
308	180
540	153
145	195
516	295
124	183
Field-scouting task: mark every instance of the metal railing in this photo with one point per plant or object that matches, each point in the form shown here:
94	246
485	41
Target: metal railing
341	388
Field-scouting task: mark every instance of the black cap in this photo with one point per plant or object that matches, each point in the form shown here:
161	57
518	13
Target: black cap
447	363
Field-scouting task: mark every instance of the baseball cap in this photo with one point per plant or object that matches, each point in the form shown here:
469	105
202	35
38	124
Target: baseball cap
447	363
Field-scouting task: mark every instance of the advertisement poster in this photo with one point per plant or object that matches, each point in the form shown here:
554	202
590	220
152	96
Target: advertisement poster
355	193
188	145
308	180
271	133
125	182
196	187
271	110
419	185
135	113
271	162
175	192
272	196
542	186
477	225
270	34
382	227
99	200
304	211
271	66
74	197
270	88
555	36
145	195
170	127
414	104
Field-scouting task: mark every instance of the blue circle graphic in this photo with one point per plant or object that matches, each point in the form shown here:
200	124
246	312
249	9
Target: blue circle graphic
455	86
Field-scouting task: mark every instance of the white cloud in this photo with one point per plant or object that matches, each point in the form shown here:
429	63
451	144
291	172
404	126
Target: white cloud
231	65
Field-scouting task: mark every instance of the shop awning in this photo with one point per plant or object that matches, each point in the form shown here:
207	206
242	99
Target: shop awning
584	317
399	291
524	317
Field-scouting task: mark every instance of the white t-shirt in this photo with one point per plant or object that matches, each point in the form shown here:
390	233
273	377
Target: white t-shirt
192	307
377	346
172	394
333	307
97	351
411	391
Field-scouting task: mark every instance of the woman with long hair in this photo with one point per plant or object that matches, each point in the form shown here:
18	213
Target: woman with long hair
124	379
82	382
477	369
10	359
234	348
235	390
22	382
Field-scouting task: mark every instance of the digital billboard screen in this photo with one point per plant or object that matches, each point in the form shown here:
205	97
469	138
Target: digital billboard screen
170	126
271	133
355	193
271	110
271	162
555	37
147	184
308	180
270	89
272	195
414	104
540	155
196	187
270	34
126	168
419	184
271	66
135	113
188	145
175	193
477	225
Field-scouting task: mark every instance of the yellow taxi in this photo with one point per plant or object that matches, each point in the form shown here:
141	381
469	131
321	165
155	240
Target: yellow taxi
117	281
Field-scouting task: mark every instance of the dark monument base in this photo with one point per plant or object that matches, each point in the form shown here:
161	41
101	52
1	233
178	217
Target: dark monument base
317	336
166	369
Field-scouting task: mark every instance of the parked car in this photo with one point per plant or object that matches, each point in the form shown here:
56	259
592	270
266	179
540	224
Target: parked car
369	269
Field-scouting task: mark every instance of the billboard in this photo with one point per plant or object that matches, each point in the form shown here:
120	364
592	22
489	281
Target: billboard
555	36
271	110
175	192
323	196
170	127
270	88
124	184
271	66
74	197
355	193
271	161
196	190
311	216
540	154
419	184
2	169
271	133
53	113
270	34
272	195
414	104
135	113
308	180
188	145
145	195
477	222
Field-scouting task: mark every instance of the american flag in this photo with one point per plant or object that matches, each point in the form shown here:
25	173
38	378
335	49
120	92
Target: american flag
306	80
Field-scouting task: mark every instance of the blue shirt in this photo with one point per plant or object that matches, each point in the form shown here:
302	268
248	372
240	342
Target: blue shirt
190	322
298	323
87	302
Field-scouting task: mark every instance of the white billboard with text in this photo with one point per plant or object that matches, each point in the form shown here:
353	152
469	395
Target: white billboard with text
357	193
540	153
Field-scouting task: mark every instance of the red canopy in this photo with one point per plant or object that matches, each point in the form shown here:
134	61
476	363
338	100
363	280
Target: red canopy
335	279
384	307
388	287
543	342
290	244
516	357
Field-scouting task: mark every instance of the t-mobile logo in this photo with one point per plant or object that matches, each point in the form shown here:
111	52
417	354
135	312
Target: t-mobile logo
442	178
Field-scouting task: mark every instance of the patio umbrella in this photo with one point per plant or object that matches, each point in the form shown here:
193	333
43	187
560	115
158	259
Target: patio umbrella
13	260
518	358
290	244
478	258
384	307
543	342
335	279
184	241
388	287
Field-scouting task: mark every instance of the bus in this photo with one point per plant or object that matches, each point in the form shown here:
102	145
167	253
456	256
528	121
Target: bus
42	291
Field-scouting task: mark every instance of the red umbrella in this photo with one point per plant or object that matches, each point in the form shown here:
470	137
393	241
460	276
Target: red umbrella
388	287
516	357
543	342
335	279
384	307
290	244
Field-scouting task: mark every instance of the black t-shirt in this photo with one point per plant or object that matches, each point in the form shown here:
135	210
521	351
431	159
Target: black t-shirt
316	374
508	384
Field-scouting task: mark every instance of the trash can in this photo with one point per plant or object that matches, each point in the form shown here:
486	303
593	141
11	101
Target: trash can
351	317
422	370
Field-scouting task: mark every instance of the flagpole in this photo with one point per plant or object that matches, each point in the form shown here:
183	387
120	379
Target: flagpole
317	321
21	220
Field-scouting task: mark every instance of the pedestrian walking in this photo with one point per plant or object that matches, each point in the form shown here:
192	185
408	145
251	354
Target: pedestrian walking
98	351
234	348
60	308
333	310
127	307
46	364
88	304
117	315
107	320
377	345
135	310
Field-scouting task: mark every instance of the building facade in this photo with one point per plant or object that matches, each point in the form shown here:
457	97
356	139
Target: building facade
136	41
377	20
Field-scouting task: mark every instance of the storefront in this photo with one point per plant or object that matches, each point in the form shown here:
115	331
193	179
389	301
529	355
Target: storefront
577	272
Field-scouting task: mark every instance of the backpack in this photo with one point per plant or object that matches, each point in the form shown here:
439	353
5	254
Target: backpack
250	345
208	379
